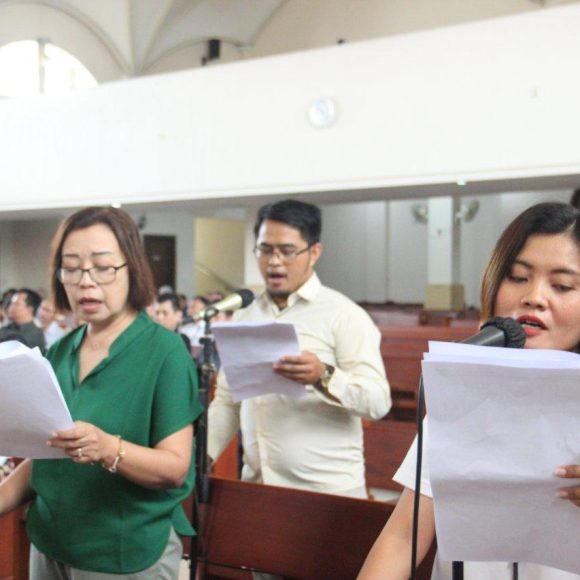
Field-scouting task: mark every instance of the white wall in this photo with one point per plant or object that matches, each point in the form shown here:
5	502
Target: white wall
400	250
300	24
191	57
26	21
112	38
252	277
25	249
342	262
30	253
407	254
372	251
355	250
7	256
180	225
219	249
478	238
487	100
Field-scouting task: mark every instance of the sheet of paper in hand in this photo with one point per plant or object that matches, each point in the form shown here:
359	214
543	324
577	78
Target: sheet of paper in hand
32	403
500	421
249	349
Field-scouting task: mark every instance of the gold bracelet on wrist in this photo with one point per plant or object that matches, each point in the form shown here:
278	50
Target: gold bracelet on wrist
120	454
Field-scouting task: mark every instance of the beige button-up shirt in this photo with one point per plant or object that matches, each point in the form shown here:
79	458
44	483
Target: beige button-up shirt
313	443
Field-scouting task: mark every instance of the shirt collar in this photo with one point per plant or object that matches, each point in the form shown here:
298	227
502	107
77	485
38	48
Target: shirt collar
126	337
309	290
18	326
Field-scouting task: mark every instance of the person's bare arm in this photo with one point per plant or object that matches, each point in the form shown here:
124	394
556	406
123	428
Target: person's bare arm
15	490
390	556
164	466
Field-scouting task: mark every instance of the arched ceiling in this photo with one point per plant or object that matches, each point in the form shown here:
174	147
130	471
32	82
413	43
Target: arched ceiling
139	33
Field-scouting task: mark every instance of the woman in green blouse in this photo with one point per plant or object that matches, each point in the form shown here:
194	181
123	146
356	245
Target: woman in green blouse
112	505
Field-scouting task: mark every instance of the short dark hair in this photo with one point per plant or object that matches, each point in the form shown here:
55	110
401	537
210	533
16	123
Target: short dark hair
305	217
7	297
543	218
32	299
141	287
201	298
170	297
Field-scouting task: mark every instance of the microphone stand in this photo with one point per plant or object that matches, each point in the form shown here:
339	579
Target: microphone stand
457	567
415	531
206	372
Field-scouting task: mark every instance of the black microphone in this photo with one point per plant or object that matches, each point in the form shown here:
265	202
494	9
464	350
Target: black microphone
234	301
503	332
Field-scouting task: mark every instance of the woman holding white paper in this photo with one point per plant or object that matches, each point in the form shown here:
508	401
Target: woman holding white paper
533	276
113	506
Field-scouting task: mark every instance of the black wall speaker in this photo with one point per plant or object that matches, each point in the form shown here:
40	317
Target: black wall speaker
213	48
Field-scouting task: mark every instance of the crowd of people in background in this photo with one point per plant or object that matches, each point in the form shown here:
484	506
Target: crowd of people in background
28	317
176	313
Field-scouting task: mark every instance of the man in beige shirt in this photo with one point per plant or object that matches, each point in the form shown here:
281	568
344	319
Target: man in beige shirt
313	443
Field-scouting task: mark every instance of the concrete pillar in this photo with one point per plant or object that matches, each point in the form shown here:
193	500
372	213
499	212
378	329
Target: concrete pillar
444	292
376	255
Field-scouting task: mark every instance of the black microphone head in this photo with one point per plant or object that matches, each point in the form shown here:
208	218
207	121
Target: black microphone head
515	337
246	295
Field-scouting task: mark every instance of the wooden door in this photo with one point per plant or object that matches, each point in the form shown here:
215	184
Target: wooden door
160	252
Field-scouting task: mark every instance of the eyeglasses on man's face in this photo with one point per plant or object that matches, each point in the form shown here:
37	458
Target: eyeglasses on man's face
98	274
286	252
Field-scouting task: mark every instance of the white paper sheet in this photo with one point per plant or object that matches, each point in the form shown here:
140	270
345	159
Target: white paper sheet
249	349
31	401
499	424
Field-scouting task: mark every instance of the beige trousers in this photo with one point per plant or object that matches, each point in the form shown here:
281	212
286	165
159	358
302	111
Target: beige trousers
166	568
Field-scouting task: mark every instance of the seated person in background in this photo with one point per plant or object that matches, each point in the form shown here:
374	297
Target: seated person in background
197	304
183	304
6	467
47	318
169	314
7	335
6	298
21	312
194	330
533	276
215	296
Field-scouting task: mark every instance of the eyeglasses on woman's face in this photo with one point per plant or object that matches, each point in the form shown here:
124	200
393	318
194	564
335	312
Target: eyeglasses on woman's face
98	274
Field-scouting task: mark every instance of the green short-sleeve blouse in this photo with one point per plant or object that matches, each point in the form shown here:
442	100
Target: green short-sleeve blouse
145	390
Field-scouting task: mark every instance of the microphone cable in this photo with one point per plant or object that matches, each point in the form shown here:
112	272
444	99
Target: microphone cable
416	499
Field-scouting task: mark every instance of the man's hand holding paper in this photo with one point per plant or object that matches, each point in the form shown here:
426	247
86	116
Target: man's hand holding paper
261	358
305	368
